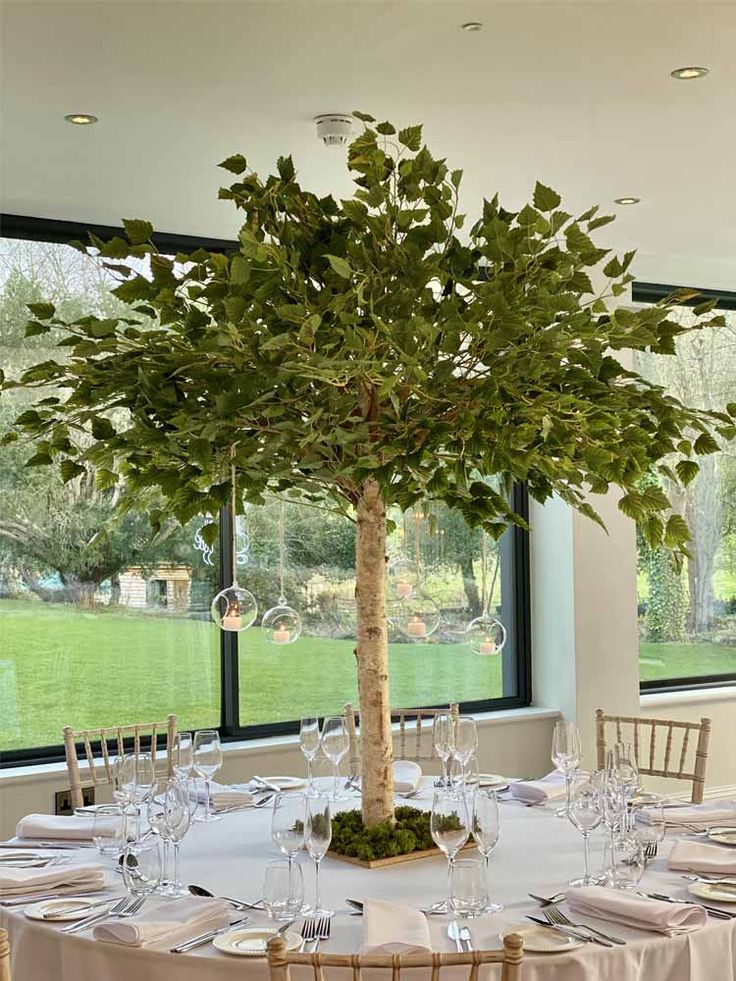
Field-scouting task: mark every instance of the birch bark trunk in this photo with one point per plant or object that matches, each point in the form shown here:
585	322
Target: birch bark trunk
372	656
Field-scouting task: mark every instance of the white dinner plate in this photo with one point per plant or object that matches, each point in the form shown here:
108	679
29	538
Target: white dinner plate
251	941
59	906
543	940
717	892
13	855
492	780
724	836
286	783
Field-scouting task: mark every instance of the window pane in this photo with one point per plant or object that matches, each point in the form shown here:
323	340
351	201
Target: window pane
687	619
317	673
102	622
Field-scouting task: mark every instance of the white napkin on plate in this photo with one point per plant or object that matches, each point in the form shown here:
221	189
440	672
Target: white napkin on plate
407	776
58	827
699	857
56	878
701	816
551	787
389	928
183	918
223	797
622	906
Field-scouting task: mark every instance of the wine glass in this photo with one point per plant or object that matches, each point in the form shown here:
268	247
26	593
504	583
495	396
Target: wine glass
288	824
177	821
156	812
612	805
566	756
207	760
449	825
136	779
182	755
486	830
443	740
585	814
465	742
335	744
624	761
309	742
318	835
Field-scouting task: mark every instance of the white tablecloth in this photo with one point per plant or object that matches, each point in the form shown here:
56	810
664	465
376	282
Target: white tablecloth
537	852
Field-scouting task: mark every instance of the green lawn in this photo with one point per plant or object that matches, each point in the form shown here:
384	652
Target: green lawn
685	660
61	665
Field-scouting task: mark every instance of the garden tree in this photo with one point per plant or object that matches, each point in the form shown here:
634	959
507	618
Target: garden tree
351	351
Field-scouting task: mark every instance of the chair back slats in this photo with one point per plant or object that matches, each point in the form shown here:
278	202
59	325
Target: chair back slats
675	745
100	770
4	956
419	748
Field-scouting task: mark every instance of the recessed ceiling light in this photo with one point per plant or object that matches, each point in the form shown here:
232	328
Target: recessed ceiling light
691	71
627	200
80	118
472	25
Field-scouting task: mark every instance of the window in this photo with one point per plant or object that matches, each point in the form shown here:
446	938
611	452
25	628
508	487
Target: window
687	619
103	622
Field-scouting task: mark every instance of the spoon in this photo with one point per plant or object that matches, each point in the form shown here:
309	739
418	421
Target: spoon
237	903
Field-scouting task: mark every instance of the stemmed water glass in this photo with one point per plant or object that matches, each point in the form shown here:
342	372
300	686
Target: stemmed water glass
486	829
612	807
288	824
318	835
182	755
465	742
585	813
449	825
443	740
135	782
207	760
566	756
309	742
623	759
177	821
335	744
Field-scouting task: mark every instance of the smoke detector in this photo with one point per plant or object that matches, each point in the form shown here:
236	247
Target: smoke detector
334	128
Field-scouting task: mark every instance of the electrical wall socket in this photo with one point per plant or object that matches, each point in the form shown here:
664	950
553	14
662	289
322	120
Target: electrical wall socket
63	800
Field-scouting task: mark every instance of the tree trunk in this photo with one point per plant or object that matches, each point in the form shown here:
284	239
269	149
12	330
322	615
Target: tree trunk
470	585
372	655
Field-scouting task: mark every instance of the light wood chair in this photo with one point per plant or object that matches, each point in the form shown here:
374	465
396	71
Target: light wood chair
112	744
510	957
668	759
415	741
4	956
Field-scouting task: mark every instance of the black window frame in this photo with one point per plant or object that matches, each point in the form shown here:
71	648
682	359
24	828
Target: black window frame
514	543
645	292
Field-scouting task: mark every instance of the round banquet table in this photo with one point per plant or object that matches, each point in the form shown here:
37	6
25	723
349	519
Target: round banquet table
537	852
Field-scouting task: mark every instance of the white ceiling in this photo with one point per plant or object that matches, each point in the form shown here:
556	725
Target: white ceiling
576	94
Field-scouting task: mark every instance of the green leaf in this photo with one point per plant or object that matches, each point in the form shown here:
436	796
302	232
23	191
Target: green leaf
705	443
363	116
545	199
731	409
102	428
411	137
43	311
69	470
676	531
687	471
138	231
386	129
285	167
105	479
239	270
33	328
40	459
339	265
235	164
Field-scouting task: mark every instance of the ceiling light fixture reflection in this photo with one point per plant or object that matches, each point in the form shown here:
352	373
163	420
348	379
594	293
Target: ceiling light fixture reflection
690	71
80	118
472	25
627	200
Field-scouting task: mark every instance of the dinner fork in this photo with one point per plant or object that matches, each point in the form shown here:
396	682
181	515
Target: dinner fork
309	932
555	915
120	911
549	914
323	931
650	850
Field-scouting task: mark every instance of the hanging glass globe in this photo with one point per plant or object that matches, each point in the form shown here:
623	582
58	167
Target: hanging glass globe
403	578
485	635
416	617
282	624
234	609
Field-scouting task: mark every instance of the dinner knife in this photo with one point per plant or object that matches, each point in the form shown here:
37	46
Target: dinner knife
29	898
204	938
713	910
568	931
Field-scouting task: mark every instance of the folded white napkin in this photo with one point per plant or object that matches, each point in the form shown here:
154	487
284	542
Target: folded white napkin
183	918
622	906
550	787
223	797
57	878
58	827
407	776
701	816
721	860
389	928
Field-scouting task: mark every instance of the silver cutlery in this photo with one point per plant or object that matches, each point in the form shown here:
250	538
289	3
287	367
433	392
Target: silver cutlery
555	914
466	938
62	846
565	931
711	880
550	913
240	904
453	932
78	909
439	909
128	906
205	938
264	801
712	910
266	784
323	931
309	932
30	898
650	850
557	898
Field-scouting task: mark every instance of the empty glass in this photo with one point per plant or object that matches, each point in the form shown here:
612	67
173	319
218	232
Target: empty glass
142	866
177	821
566	756
318	835
625	859
135	780
465	742
283	890
585	813
288	824
207	760
623	759
109	829
468	892
443	741
449	824
335	744
649	826
309	741
486	830
182	755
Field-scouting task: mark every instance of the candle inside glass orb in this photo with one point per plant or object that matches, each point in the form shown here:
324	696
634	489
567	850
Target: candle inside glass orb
281	634
416	627
404	588
487	646
232	619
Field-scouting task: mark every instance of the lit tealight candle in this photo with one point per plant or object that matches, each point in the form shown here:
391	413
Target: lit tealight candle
416	626
281	634
232	619
487	647
403	588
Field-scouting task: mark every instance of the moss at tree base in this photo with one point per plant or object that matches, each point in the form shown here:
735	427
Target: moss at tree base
410	833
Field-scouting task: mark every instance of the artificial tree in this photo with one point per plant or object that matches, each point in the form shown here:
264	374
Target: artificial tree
367	353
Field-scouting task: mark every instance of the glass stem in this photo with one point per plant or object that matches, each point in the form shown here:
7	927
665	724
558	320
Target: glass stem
309	772
207	805
335	779
487	862
586	857
450	864
317	903
568	787
445	774
165	859
177	866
